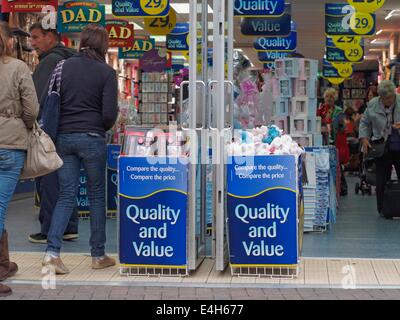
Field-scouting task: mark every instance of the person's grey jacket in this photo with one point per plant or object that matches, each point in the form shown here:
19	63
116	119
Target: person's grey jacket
373	121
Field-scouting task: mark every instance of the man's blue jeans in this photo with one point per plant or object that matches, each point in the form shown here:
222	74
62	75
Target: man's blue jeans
11	164
90	149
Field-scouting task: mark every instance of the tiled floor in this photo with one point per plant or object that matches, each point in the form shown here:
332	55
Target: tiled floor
314	273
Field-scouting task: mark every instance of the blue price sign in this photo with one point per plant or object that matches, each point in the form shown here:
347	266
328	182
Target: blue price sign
288	43
178	39
140	8
153	212
334	54
82	200
263	211
259	8
271	56
267	27
74	16
341	19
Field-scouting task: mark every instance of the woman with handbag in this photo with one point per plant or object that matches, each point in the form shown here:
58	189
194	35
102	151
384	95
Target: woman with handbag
18	111
88	109
380	136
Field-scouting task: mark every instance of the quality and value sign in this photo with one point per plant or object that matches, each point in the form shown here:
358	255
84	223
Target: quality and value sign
120	33
263	211
259	8
140	8
267	27
30	5
74	16
178	39
140	46
153	203
288	43
334	54
341	19
337	70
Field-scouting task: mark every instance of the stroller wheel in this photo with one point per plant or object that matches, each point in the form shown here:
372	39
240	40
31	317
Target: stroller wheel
357	188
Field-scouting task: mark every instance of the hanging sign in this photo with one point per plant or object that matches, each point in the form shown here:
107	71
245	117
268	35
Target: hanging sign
263	211
368	6
259	8
288	43
30	5
347	42
334	54
270	66
154	61
120	33
341	19
331	70
140	46
271	56
161	26
74	16
140	8
178	39
267	27
153	203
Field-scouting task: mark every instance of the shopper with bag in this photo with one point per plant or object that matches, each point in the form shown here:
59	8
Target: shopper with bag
18	111
380	136
89	108
51	52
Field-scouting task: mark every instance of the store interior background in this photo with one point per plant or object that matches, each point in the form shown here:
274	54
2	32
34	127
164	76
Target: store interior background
359	232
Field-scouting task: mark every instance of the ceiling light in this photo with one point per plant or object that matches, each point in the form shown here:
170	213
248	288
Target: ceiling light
379	32
374	41
395	12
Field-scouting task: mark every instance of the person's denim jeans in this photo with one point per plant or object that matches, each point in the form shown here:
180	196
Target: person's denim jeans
11	164
90	149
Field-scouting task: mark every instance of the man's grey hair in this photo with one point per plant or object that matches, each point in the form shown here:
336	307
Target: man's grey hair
386	88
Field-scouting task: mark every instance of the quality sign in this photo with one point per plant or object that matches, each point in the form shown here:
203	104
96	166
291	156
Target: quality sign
178	39
267	27
334	54
140	8
74	16
341	19
288	43
259	8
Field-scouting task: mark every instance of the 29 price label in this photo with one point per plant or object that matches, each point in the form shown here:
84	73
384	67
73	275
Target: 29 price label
355	54
367	6
362	23
161	26
345	69
154	7
347	42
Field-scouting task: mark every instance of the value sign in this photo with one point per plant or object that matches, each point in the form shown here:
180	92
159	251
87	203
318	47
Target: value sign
120	33
259	8
267	27
140	8
341	19
288	43
73	16
271	56
161	26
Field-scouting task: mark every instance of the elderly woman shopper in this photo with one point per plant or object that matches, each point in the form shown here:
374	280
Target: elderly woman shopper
18	111
379	129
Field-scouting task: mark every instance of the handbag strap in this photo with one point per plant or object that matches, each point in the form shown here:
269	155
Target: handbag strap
56	78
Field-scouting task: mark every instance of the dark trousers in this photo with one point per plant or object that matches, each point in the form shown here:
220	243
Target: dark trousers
47	188
384	167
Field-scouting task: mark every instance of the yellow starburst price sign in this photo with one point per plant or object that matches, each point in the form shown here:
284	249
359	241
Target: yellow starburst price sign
335	81
345	69
161	26
362	23
153	7
368	6
354	54
347	42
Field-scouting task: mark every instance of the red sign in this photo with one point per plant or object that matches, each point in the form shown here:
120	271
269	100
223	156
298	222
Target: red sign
120	33
30	5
